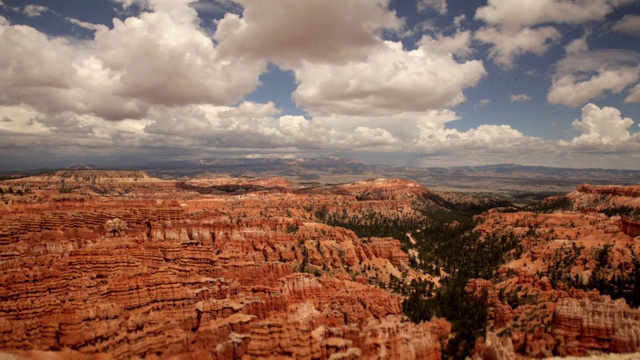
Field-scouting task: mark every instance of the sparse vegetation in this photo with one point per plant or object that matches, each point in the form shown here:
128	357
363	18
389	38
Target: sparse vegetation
116	227
462	255
626	211
559	203
446	246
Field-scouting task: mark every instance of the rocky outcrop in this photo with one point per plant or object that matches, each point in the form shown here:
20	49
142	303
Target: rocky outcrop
378	189
601	197
124	266
629	227
610	190
542	302
385	338
597	323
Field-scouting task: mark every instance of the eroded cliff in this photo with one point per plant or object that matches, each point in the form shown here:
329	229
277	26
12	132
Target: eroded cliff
127	266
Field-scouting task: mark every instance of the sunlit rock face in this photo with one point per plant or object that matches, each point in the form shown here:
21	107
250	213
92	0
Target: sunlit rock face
549	297
122	265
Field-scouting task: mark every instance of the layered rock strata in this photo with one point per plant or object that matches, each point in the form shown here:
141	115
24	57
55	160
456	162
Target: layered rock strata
120	265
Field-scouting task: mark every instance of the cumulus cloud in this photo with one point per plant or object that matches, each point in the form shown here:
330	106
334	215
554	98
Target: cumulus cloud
457	44
341	62
519	98
177	90
33	68
21	119
34	10
64	133
181	99
518	27
510	43
629	24
217	6
518	14
582	77
481	103
68	123
192	70
316	133
87	25
402	126
634	94
255	126
459	20
577	46
432	137
600	127
290	31
248	109
438	5
113	76
184	121
391	80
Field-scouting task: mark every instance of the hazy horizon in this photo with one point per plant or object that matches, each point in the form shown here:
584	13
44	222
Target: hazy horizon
193	163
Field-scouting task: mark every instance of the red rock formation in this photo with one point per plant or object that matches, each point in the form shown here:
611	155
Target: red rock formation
382	189
198	275
629	227
626	191
536	311
597	323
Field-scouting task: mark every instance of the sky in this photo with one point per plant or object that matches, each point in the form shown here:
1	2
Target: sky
396	82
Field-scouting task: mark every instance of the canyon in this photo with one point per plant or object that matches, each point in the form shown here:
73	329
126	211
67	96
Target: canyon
124	265
119	265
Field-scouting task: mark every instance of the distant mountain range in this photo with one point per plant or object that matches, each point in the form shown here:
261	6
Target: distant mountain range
509	180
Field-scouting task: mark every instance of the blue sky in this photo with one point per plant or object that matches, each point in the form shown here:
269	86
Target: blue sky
422	83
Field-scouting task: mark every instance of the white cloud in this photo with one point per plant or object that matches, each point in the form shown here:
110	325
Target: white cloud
128	3
216	6
160	57
433	137
458	44
634	94
291	31
582	77
518	27
629	24
340	61
192	70
87	25
316	133
32	65
459	20
35	10
401	125
519	98
481	103
577	46
173	89
391	80
182	121
20	119
509	43
248	109
438	5
254	126
602	127
510	14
